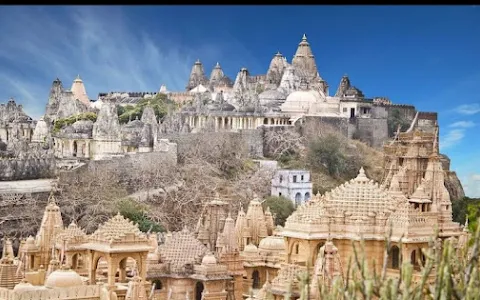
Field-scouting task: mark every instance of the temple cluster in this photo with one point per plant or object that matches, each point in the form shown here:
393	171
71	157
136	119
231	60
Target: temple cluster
247	256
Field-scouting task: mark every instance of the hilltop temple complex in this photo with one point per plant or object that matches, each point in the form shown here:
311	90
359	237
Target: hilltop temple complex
224	258
233	253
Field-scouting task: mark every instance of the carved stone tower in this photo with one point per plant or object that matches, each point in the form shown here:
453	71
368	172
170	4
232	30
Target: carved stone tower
197	76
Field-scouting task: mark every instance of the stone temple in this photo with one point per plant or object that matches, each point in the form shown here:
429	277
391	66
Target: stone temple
287	94
247	257
233	253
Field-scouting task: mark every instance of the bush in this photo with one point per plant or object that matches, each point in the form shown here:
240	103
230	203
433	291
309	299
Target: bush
330	152
396	119
160	104
280	207
466	206
137	213
64	122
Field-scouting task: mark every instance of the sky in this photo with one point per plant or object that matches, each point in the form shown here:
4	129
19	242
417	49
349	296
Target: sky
427	56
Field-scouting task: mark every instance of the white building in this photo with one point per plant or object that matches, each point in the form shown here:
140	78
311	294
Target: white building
295	185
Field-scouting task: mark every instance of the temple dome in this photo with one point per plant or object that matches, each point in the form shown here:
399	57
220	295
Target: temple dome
251	248
301	101
209	259
63	278
83	126
272	243
24	286
361	196
272	98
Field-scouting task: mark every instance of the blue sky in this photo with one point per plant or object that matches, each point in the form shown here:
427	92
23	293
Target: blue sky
421	55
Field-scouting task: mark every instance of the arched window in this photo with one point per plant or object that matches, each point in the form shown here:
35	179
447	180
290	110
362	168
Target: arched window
298	199
199	290
256	280
157	284
75	149
394	257
307	196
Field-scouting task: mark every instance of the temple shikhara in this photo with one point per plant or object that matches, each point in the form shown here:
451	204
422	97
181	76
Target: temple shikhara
245	257
234	252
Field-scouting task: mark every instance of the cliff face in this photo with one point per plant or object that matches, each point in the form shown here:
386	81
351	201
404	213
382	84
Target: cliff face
452	183
454	186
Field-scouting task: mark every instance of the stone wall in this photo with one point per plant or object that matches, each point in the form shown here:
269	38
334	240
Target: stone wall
133	161
406	111
340	124
27	168
372	131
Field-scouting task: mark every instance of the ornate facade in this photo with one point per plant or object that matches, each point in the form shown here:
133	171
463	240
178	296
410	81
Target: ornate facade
409	205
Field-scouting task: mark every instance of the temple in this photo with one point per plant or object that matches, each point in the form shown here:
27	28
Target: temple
248	257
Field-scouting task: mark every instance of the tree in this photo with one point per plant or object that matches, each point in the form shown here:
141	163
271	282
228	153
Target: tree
137	213
160	103
396	119
280	207
61	123
88	195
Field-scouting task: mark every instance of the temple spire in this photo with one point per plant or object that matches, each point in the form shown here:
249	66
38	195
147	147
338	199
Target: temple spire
197	76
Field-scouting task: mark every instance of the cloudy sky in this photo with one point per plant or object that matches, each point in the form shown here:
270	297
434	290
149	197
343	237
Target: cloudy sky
426	56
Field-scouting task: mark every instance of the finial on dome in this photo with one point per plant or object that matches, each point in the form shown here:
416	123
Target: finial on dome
78	77
217	65
304	38
198	61
361	175
51	198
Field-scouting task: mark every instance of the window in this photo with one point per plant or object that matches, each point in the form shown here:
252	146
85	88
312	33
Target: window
294	178
281	178
345	109
280	194
301	178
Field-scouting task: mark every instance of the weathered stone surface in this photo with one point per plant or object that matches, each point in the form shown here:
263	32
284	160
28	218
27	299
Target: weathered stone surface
107	126
62	103
197	76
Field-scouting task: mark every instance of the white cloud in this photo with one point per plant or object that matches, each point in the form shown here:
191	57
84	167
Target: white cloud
108	51
468	109
471	186
452	138
462	124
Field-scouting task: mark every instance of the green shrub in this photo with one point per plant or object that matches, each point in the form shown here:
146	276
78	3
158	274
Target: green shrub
160	103
64	122
137	213
280	207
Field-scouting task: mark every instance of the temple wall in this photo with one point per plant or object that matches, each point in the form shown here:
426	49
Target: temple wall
88	292
372	131
26	168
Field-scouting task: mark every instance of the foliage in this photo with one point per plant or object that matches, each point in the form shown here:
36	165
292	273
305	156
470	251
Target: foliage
61	123
160	104
466	206
447	273
280	207
137	212
396	119
329	152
